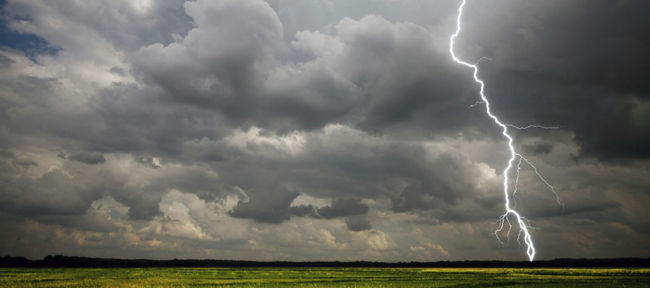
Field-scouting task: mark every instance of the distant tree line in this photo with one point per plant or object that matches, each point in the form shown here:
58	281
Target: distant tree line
74	261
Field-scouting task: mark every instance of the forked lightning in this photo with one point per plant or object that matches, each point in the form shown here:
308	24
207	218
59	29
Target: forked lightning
509	211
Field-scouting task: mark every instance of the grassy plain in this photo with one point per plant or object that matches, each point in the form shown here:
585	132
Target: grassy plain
322	277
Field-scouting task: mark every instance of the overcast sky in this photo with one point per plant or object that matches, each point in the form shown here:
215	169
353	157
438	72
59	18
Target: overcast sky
320	130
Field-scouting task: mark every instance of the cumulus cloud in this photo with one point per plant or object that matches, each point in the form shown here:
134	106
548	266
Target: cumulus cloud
576	74
343	207
85	157
271	130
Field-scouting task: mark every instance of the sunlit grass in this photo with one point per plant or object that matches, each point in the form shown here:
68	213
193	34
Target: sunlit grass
322	277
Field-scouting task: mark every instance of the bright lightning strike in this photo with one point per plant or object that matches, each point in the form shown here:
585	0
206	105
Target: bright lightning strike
509	212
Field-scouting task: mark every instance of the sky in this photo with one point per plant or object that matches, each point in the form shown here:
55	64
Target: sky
321	130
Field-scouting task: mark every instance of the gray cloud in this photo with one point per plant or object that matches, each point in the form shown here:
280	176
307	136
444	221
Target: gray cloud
342	208
537	148
274	209
53	193
339	130
586	77
358	223
87	157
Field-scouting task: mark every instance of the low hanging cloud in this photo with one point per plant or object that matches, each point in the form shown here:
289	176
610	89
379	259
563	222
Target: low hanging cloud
85	157
343	207
319	130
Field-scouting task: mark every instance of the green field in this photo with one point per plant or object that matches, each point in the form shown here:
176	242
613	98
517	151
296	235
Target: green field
322	277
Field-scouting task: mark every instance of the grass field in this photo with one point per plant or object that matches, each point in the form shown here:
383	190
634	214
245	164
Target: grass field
322	277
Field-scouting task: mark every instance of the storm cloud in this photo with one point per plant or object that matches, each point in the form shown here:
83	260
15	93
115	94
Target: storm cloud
320	130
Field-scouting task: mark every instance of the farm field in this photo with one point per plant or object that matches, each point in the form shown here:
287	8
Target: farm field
322	277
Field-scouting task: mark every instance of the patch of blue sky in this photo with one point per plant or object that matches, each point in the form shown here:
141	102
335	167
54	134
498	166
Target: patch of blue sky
30	44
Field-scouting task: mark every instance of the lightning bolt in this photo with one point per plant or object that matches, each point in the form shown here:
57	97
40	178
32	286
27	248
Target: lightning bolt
509	211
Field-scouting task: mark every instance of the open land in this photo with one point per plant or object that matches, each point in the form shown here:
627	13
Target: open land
324	277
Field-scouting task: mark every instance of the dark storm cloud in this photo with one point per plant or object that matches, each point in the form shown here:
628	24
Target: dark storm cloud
358	223
566	63
217	63
244	127
537	148
53	193
143	121
350	82
344	162
401	172
272	207
407	79
343	207
86	157
588	207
